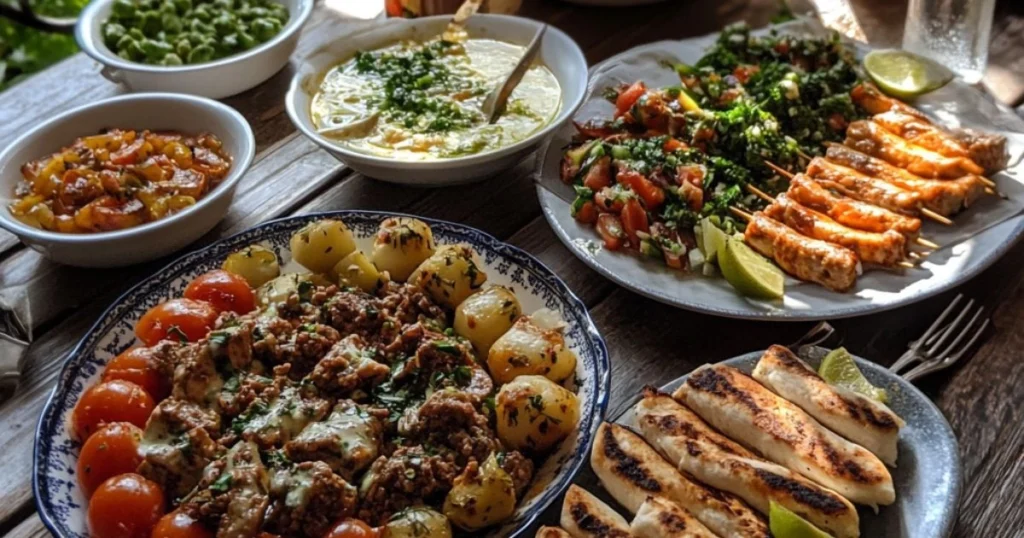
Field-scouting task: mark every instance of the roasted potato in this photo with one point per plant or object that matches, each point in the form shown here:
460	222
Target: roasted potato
417	522
530	349
486	315
357	270
401	245
320	245
450	275
534	413
256	264
278	289
481	496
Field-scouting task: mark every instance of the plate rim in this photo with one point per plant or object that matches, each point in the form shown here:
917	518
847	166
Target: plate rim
602	379
953	507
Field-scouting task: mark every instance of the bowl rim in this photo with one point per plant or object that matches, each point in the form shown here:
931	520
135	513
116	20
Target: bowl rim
99	51
573	51
239	166
590	332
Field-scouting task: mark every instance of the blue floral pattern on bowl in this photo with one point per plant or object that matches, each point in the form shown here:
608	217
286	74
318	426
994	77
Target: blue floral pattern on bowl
59	500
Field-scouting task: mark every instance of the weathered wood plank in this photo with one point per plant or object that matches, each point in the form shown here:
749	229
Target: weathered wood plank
30	528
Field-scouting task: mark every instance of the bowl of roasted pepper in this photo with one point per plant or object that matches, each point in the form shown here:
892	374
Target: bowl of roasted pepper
124	180
212	48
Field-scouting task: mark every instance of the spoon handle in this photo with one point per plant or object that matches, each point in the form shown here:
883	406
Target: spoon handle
500	98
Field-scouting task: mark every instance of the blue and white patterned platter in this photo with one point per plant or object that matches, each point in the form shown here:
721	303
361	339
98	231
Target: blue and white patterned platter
59	500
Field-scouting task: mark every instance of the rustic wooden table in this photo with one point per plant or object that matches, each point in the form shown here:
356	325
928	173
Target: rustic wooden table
649	342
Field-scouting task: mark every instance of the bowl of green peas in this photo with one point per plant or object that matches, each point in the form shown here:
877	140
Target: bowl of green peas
212	48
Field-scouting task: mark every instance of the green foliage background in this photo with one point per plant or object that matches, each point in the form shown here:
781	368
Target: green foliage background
24	50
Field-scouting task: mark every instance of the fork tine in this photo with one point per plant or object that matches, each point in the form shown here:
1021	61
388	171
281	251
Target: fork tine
938	322
939	364
931	351
970	343
934	331
945	353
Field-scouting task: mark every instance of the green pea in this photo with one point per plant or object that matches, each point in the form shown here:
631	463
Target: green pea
200	27
225	24
223	4
279	12
112	33
150	23
229	43
123	9
246	40
167	6
202	13
156	50
202	53
264	29
172	23
135	52
259	12
196	38
125	54
136	33
183	47
183	5
171	59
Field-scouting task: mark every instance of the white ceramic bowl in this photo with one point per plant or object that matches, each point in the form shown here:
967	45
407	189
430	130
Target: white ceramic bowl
558	52
216	79
155	111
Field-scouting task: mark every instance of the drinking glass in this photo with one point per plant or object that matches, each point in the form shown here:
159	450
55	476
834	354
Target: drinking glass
954	33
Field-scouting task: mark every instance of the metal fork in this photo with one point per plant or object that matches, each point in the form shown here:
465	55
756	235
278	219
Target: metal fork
931	353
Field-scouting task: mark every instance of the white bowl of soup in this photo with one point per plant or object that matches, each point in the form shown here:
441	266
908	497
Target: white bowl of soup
396	103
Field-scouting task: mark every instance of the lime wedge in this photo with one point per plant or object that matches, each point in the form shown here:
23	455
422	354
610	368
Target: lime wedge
713	240
786	524
838	368
749	272
905	74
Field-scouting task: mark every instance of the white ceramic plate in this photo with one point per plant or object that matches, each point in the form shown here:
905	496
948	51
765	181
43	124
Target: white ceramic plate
61	503
927	475
982	234
558	52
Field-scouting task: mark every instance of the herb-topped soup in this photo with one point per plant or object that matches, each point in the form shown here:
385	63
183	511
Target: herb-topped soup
423	100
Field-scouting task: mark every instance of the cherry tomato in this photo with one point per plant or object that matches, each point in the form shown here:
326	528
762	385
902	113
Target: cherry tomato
673	144
125	506
743	73
652	195
394	8
587	213
111	451
352	528
599	175
634	219
137	365
178	524
608	200
628	97
610	228
227	292
111	401
177	319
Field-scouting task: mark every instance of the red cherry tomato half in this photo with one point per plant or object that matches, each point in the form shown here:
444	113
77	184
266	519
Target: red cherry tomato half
352	528
227	292
176	319
178	524
125	506
112	450
111	401
138	366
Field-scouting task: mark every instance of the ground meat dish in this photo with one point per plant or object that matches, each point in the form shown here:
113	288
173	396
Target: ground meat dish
330	404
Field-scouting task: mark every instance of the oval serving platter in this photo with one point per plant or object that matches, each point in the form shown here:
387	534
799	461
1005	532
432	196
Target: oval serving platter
983	234
59	500
927	475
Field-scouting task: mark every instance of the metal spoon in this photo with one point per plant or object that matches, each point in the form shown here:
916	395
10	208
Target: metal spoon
494	104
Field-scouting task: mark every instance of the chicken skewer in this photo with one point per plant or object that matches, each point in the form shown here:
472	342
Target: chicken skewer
871	190
869	137
807	259
945	197
985	150
846	211
886	249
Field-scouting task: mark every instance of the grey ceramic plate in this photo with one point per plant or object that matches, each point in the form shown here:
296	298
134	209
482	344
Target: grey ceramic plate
927	476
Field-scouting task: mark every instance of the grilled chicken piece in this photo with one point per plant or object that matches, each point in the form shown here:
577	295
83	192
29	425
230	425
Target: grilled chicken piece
885	249
860	419
864	188
986	150
585	516
551	532
661	518
632	471
754	416
683	438
869	137
943	196
811	260
921	132
849	212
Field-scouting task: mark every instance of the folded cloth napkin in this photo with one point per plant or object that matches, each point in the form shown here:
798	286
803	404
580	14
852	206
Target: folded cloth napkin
15	337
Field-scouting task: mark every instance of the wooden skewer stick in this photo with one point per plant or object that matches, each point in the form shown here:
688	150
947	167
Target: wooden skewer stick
926	243
935	216
906	265
779	170
741	213
801	153
987	182
759	193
